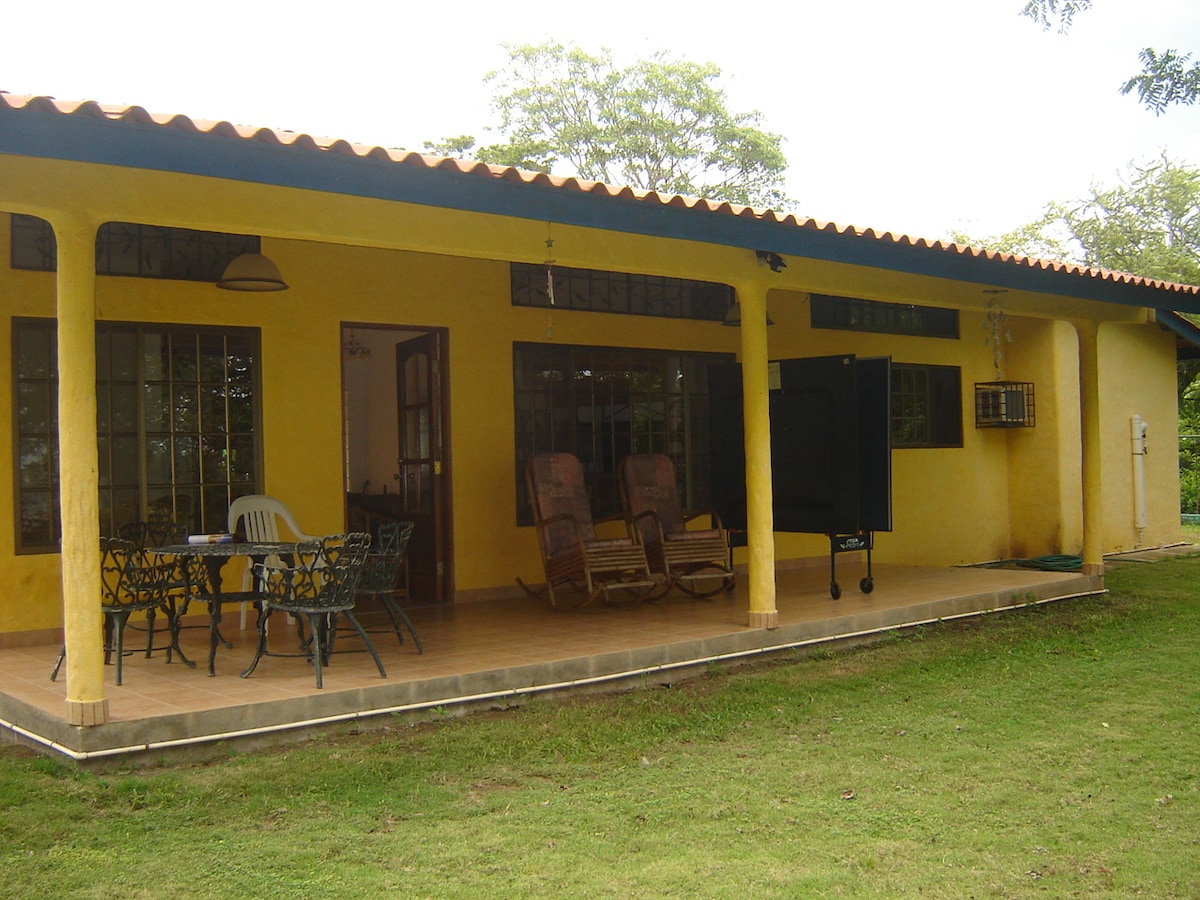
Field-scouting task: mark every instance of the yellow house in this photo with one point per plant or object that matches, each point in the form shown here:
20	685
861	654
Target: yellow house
444	319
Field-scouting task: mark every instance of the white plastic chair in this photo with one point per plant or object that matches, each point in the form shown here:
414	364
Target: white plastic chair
256	517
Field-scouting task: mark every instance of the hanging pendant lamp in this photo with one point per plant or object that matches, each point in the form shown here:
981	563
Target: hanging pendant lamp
252	272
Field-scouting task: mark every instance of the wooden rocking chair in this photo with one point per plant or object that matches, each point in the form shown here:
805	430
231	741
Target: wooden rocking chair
572	555
696	560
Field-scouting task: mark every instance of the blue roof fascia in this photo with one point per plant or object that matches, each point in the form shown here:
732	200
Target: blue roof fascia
164	148
1178	324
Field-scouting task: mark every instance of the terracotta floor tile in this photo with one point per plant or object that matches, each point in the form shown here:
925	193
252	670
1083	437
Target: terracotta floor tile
465	644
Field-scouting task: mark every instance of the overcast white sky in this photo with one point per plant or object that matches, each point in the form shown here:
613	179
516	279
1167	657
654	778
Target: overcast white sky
913	116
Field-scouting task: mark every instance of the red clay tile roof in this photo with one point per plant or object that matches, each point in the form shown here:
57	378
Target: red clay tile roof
300	141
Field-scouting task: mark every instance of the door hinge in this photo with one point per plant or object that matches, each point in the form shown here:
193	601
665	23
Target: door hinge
441	569
437	467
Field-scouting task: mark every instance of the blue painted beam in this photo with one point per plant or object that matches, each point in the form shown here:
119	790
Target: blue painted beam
82	138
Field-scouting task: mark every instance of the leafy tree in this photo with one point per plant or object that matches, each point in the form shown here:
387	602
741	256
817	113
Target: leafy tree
658	124
1044	238
456	147
1149	224
1166	78
1047	12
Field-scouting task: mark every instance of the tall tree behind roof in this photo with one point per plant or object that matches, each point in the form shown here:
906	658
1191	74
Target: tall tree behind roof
658	124
1147	224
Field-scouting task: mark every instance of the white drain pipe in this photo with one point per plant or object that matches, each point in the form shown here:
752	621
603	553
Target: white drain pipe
510	694
1137	428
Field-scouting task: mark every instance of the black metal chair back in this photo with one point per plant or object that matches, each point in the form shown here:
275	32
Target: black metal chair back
129	583
153	533
188	575
381	573
318	585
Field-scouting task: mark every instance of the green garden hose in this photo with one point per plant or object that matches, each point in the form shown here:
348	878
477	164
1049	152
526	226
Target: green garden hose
1054	563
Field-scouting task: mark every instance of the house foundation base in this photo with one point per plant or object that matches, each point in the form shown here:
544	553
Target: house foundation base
87	712
767	620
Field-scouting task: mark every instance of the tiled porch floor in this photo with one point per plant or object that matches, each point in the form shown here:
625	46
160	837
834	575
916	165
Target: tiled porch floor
483	653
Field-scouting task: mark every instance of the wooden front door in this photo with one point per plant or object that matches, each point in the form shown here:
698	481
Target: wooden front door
422	466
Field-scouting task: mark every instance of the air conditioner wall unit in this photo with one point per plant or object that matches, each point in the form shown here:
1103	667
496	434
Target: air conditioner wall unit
1004	404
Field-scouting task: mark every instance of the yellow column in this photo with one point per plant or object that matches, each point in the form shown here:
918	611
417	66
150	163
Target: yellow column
1089	418
760	518
77	467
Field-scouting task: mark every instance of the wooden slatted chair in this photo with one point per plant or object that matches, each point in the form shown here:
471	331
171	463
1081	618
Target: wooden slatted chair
573	556
697	560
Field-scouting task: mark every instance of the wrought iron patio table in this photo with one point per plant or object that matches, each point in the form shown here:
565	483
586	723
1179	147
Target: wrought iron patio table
214	556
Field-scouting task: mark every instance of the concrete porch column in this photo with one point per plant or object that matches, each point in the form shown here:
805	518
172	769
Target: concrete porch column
78	467
760	519
1089	420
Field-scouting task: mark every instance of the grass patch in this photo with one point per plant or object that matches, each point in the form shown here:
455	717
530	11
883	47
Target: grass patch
1051	751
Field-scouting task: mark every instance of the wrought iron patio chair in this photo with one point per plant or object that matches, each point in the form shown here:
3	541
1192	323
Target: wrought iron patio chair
129	583
573	556
381	574
697	560
318	586
158	532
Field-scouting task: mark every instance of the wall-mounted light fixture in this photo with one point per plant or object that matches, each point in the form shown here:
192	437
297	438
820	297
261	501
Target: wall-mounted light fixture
774	260
733	316
252	272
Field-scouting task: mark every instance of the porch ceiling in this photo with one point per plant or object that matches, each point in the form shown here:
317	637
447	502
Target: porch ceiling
132	138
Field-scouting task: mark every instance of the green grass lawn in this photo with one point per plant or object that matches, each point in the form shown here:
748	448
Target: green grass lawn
1052	752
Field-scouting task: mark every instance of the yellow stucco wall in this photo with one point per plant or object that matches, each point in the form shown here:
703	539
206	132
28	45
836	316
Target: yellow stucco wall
342	259
1138	378
1043	462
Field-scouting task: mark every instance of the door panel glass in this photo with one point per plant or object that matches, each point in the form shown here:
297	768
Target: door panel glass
419	449
412	434
416	385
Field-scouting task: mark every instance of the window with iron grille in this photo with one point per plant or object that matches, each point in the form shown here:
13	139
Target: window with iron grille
601	403
177	423
853	314
926	406
618	292
140	251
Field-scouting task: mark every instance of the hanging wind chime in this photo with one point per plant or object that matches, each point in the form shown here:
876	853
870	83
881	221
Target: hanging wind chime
996	324
549	282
